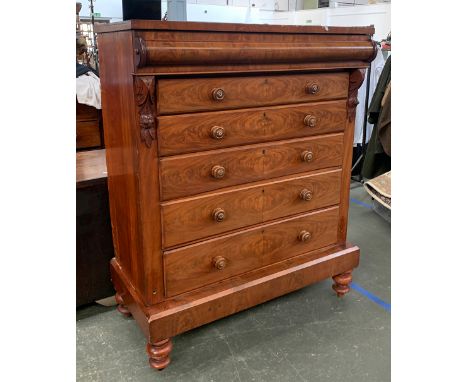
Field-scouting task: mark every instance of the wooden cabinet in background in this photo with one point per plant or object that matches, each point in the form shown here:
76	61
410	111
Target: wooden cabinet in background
228	153
88	128
94	247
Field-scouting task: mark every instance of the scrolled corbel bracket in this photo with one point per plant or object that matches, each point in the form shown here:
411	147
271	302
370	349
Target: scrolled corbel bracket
375	50
356	77
145	102
140	52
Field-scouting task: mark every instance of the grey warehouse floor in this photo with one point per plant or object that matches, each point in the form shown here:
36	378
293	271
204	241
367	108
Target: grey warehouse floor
308	335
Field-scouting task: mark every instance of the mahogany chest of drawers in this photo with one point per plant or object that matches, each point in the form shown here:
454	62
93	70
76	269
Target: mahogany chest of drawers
228	154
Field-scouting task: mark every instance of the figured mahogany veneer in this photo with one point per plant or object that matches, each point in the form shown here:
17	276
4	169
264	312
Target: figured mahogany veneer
192	218
190	174
185	133
192	266
182	96
228	154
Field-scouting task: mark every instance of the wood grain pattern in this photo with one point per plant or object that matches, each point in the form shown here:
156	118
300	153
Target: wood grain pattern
183	95
88	127
166	71
192	309
168	37
199	52
190	174
186	133
191	218
224	209
90	166
122	183
282	198
191	267
133	199
207	304
231	27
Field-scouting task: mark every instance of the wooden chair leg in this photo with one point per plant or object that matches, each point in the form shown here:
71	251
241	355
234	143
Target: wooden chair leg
159	353
342	281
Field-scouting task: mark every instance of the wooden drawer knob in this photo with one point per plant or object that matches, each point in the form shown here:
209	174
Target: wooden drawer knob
219	262
307	156
218	215
312	88
304	236
217	132
310	120
306	195
217	94
218	171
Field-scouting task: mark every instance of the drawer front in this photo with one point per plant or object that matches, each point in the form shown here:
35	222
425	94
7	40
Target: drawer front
185	133
204	94
88	134
191	174
199	217
301	193
219	212
210	261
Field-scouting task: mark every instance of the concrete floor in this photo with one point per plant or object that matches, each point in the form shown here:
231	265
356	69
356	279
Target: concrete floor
308	335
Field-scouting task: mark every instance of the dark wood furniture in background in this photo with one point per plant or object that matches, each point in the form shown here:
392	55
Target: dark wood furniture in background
89	134
94	247
229	152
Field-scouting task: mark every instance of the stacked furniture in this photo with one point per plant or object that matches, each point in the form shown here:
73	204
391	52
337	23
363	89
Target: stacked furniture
228	153
94	247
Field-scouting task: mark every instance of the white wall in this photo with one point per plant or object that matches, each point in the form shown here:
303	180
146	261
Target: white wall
377	14
107	8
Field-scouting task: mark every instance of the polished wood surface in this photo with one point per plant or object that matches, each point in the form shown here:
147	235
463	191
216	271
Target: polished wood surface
90	166
192	218
185	133
88	127
182	96
341	283
228	155
134	204
192	266
159	354
191	174
184	26
201	306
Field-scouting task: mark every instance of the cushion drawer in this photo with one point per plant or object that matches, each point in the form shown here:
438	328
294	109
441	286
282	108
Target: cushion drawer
178	134
219	212
196	265
203	94
190	174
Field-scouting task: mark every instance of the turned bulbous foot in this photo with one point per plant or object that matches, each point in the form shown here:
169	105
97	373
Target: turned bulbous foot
121	306
159	354
342	281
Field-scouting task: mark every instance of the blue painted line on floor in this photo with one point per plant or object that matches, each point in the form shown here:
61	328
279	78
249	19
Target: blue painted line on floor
370	296
360	203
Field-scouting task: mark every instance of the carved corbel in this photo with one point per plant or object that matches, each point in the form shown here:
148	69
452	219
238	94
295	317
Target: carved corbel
356	78
145	99
140	52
